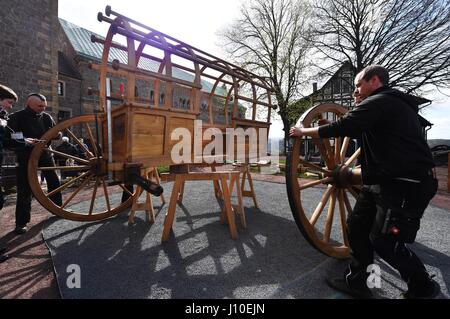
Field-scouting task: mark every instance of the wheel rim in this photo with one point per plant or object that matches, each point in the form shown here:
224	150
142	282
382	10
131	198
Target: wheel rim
88	183
324	226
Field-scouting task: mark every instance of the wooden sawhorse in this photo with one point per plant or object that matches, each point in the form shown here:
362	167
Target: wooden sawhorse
221	177
147	206
246	176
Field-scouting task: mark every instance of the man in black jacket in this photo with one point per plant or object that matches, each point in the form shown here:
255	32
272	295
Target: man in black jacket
398	177
29	125
7	99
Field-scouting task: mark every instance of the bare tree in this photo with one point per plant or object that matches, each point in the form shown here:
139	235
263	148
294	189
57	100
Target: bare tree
271	39
409	37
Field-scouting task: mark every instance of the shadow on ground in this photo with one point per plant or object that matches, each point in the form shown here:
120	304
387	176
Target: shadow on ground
269	260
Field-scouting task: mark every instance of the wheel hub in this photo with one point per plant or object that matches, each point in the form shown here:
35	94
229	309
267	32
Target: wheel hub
345	176
98	166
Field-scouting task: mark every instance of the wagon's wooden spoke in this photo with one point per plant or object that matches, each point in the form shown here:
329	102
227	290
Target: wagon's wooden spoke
94	195
331	164
344	148
125	189
353	158
337	150
314	166
332	196
343	217
80	160
347	203
321	147
93	141
323	202
88	170
330	216
315	183
75	193
63	187
64	168
88	152
353	192
105	190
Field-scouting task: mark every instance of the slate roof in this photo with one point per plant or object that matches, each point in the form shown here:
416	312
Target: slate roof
65	68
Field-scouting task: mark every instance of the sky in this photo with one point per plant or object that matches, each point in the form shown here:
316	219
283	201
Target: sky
196	22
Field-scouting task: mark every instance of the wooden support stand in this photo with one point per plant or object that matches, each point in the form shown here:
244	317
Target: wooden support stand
147	206
247	176
221	177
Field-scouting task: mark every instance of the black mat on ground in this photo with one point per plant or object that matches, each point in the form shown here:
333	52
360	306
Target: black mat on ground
270	259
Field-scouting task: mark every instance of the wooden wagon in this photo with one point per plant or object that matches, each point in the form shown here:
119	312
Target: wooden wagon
155	93
152	87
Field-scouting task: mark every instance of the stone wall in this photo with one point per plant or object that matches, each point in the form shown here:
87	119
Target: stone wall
71	100
29	57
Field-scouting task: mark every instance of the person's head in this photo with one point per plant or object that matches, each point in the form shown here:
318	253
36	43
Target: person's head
7	97
65	139
370	79
36	102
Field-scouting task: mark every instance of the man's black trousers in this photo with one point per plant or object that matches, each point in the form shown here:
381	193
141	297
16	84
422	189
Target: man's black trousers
383	219
24	193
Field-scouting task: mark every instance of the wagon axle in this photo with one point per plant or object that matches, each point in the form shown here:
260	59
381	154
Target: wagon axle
345	176
132	176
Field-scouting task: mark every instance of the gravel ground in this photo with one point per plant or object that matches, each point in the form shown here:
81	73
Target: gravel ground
29	273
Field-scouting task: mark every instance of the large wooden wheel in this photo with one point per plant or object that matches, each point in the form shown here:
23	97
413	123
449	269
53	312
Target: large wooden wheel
336	176
88	194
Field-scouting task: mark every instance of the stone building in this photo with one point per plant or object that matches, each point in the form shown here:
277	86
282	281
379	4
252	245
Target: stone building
29	55
28	52
41	53
77	51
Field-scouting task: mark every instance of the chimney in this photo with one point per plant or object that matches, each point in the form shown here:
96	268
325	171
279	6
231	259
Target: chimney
314	87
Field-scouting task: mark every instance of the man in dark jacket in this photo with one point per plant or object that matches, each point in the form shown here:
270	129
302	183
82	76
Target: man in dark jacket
398	177
29	125
7	98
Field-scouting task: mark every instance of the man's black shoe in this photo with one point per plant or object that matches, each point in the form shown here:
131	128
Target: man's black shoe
431	291
20	230
3	258
340	284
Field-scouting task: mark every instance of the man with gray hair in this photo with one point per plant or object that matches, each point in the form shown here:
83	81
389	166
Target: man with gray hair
30	124
399	182
67	148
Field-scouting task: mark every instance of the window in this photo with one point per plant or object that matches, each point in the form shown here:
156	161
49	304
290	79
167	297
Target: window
347	84
337	86
61	88
152	97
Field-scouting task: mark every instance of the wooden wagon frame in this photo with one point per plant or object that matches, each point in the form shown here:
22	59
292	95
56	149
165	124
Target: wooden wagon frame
132	131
